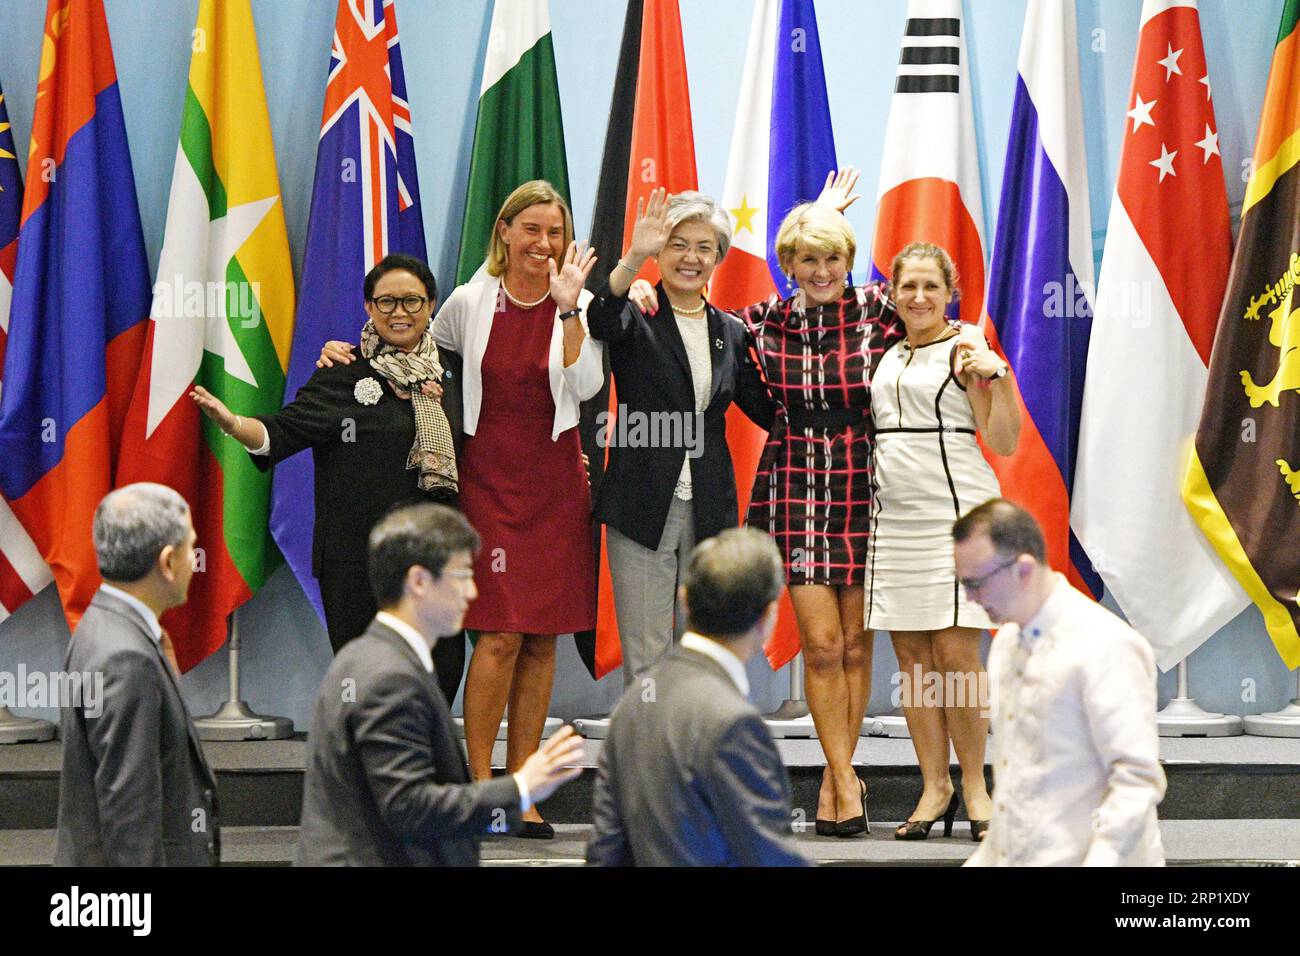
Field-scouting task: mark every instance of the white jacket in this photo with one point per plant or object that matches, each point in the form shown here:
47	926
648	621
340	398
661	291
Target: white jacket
464	324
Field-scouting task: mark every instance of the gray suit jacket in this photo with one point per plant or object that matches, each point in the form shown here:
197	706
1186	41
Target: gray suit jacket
690	777
136	789
387	783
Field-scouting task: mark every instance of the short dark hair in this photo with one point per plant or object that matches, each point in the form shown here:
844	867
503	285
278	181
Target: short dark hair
131	527
392	263
730	580
1010	527
424	535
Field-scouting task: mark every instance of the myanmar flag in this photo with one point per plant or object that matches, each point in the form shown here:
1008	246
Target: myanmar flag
519	134
222	317
1242	485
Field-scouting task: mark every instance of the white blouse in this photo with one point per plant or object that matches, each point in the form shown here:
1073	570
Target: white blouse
464	324
1075	749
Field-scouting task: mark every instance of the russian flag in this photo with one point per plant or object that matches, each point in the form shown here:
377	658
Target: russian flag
1041	288
782	147
357	217
81	296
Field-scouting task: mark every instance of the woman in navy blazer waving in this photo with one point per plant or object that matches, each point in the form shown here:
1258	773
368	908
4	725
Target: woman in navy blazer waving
669	481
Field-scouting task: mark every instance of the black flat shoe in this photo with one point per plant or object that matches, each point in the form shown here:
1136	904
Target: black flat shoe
537	831
920	829
855	825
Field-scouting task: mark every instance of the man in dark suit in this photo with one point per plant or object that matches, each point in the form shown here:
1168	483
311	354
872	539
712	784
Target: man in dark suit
689	774
136	789
387	783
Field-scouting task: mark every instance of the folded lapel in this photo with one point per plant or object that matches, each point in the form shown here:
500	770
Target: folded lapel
673	336
717	349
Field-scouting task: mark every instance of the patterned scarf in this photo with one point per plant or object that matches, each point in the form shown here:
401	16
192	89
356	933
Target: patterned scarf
433	451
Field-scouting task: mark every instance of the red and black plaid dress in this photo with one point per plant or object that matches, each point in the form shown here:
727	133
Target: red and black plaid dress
812	492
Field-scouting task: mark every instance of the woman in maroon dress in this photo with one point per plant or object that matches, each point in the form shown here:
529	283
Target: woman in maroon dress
520	326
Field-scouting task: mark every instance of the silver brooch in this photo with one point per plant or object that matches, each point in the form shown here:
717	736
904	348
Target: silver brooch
717	344
368	391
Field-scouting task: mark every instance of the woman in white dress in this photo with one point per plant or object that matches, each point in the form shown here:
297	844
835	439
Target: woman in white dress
930	394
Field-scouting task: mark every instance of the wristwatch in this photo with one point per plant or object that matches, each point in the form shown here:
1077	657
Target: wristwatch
1000	373
570	314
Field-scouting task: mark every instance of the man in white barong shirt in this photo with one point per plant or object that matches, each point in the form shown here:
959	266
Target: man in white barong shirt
1073	691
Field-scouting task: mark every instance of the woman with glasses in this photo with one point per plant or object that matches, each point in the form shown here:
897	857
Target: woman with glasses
381	433
931	394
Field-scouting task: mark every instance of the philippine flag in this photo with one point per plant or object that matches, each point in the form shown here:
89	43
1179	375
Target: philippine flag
1041	279
782	148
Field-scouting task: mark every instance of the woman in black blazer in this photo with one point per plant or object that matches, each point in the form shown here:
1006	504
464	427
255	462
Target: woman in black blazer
361	427
669	481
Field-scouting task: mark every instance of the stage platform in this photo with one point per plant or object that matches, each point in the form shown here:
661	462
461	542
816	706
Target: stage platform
1230	800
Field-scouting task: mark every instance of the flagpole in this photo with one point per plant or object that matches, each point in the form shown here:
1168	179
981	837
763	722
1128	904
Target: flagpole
235	720
1280	723
792	718
1183	717
23	730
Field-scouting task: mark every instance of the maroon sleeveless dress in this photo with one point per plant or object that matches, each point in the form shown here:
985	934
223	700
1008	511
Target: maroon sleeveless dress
527	496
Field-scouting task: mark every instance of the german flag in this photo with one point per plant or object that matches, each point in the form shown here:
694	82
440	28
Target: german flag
1242	485
649	143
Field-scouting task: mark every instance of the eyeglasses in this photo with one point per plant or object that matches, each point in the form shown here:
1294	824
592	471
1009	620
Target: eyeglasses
975	584
387	304
462	574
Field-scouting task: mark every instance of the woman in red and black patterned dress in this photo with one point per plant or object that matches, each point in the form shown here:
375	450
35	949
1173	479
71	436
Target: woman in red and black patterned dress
812	491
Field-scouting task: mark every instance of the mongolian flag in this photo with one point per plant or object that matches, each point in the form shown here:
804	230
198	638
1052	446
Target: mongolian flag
365	203
1242	485
782	148
649	143
80	300
1152	330
1041	279
222	318
930	175
22	570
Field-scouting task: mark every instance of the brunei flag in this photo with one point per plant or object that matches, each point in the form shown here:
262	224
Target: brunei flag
782	147
649	143
222	318
1242	484
80	299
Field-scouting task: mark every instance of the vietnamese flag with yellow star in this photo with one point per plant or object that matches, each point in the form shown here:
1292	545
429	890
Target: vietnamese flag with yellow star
1242	484
782	147
222	317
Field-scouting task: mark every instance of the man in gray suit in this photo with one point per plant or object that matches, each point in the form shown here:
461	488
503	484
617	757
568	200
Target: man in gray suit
387	783
136	789
688	774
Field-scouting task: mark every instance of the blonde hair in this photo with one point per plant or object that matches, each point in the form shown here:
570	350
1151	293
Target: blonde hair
535	192
818	227
927	250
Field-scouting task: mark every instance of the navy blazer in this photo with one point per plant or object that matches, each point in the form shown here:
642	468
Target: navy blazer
652	376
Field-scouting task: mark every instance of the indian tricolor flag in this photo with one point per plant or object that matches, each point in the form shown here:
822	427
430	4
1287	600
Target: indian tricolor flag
222	317
519	132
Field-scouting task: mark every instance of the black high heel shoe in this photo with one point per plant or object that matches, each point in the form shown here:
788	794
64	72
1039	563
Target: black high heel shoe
920	829
978	830
824	827
859	824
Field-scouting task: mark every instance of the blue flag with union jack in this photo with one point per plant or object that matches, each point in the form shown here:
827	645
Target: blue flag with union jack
365	204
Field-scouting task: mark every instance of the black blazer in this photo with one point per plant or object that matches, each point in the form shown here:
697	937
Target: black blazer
136	788
360	452
652	374
690	778
386	781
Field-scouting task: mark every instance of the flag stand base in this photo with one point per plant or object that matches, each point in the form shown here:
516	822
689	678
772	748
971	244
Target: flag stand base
552	725
23	730
791	719
592	728
1280	723
235	720
886	726
1183	717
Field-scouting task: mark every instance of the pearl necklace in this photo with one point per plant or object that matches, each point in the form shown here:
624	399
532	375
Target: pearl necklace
521	304
690	313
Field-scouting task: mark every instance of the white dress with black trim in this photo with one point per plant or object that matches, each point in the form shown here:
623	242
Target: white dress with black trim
929	471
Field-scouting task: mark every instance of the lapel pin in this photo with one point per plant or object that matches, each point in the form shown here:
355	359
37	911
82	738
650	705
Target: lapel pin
717	344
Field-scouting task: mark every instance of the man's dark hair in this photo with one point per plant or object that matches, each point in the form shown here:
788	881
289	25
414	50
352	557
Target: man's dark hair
1010	527
730	580
423	535
397	260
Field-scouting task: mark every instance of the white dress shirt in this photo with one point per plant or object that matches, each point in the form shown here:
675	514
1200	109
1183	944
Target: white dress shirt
425	653
1075	749
146	612
732	664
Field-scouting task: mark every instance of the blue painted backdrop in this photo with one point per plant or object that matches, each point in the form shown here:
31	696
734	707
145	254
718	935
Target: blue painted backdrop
443	42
